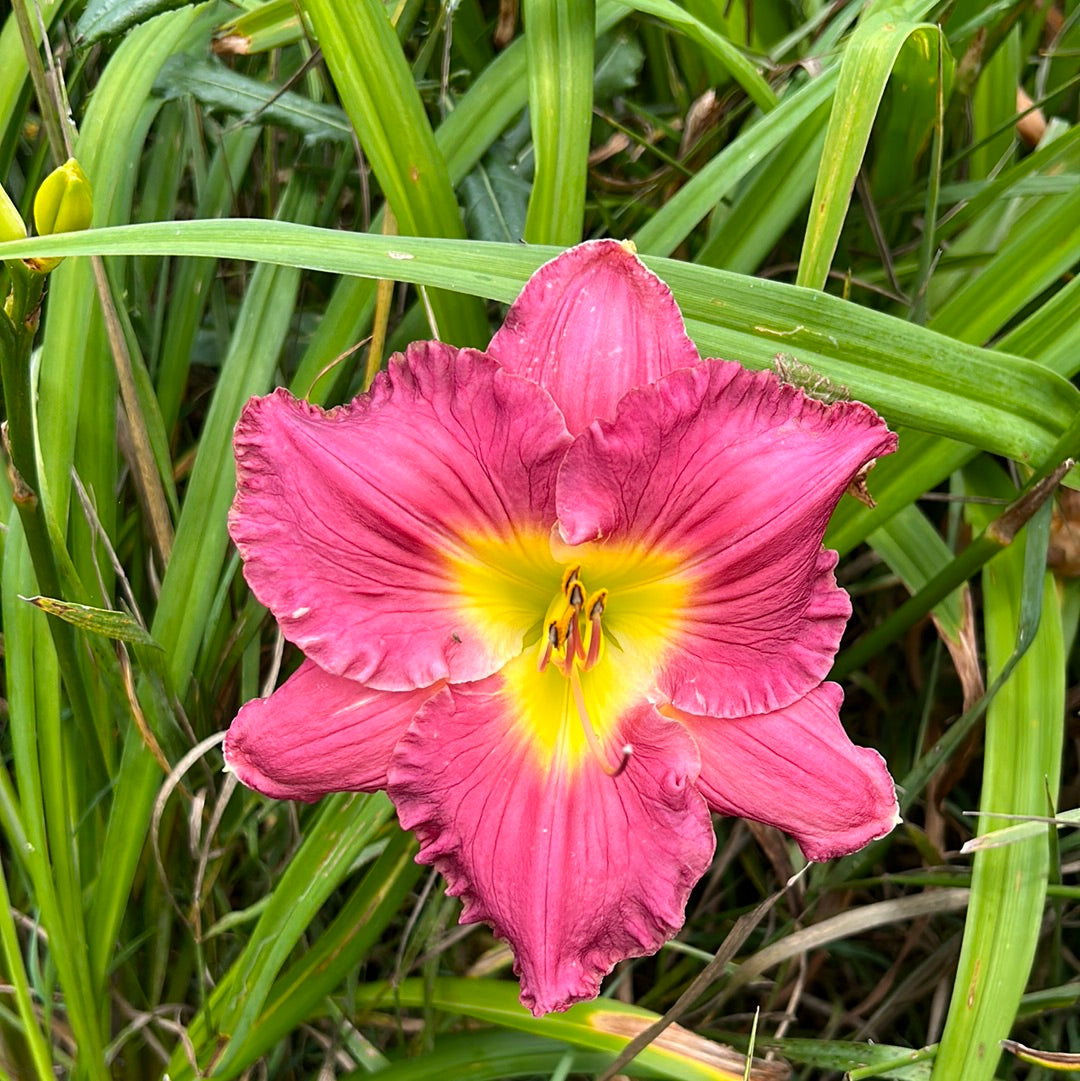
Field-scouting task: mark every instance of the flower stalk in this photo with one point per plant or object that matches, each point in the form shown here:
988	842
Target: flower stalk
18	326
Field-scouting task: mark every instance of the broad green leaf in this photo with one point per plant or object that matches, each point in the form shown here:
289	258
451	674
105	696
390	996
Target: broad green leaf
618	61
380	97
1005	404
496	200
496	1055
105	622
1043	246
47	815
601	1025
866	66
217	87
1022	766
104	18
560	43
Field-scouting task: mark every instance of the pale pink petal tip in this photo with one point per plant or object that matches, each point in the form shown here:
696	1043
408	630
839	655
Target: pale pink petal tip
575	869
591	325
318	733
796	769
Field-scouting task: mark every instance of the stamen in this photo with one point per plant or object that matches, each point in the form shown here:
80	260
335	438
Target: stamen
591	737
551	642
575	598
575	648
595	636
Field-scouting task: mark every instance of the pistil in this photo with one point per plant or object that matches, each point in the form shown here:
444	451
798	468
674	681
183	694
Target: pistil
591	738
573	638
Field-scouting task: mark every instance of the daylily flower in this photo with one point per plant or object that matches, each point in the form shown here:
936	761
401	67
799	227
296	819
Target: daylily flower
561	598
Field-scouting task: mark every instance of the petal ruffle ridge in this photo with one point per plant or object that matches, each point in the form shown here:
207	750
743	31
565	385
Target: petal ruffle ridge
796	769
590	325
575	869
732	475
319	733
350	521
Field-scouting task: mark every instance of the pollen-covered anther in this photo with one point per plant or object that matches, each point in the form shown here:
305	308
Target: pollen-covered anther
594	635
562	624
550	645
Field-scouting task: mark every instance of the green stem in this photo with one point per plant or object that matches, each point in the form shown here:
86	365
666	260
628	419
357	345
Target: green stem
16	341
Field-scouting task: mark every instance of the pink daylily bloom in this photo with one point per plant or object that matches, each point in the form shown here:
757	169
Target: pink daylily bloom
560	599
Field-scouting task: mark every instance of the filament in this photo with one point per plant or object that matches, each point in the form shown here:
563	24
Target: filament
591	737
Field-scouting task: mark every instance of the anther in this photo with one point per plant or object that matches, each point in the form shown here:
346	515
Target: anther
551	644
595	609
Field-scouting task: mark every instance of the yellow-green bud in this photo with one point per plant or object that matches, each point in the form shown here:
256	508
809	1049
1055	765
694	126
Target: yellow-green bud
12	227
64	204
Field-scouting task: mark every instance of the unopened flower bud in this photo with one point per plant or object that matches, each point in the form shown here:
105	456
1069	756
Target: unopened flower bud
12	227
63	204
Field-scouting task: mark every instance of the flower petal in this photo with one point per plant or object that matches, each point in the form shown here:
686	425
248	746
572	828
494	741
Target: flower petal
589	326
733	475
797	769
575	869
319	733
353	524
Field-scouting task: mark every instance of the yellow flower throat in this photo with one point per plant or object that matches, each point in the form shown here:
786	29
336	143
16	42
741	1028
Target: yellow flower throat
578	657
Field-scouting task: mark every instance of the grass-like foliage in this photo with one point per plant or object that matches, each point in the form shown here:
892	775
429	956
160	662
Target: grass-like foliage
884	194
